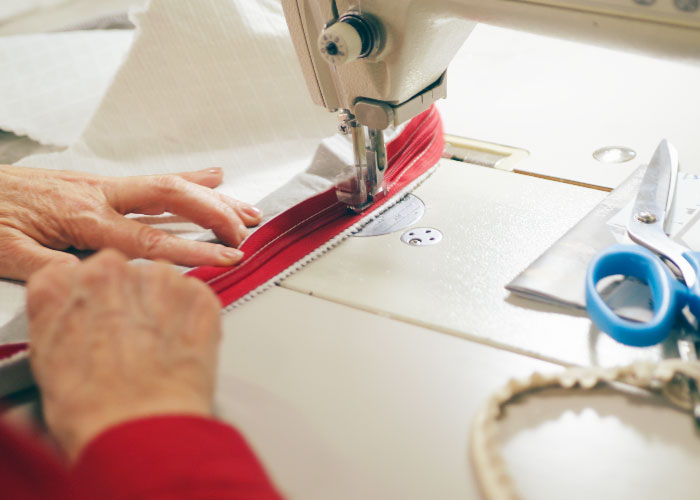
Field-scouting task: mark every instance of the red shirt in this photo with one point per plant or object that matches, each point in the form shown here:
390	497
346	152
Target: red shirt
158	458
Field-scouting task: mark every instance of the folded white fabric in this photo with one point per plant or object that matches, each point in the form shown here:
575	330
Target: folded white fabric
52	83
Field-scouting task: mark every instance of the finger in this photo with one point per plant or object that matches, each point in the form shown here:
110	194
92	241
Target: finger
20	255
210	177
46	288
104	279
140	240
250	215
102	264
201	205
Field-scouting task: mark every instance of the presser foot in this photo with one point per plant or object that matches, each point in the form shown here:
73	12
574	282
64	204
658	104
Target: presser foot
361	184
353	190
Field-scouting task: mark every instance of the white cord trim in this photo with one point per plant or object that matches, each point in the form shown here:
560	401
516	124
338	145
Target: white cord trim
669	377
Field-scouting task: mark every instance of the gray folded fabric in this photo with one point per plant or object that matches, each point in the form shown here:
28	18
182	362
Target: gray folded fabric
114	21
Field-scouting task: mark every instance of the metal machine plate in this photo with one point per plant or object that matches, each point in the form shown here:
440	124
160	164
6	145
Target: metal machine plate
402	215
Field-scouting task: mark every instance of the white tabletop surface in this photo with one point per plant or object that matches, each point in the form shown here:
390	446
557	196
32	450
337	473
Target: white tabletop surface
345	398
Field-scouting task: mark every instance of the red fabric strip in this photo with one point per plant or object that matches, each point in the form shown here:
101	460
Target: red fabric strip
303	228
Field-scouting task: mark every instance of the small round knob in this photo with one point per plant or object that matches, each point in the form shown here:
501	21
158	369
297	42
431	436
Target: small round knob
340	43
646	217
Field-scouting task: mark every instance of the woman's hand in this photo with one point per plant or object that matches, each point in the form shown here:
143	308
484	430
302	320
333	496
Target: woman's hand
111	342
43	211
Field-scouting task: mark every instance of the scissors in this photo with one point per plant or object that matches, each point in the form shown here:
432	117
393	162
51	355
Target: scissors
648	261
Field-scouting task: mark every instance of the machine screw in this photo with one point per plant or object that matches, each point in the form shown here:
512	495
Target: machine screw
421	236
646	217
345	120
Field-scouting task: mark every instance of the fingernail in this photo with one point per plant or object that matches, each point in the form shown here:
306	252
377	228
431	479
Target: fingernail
251	210
216	170
230	256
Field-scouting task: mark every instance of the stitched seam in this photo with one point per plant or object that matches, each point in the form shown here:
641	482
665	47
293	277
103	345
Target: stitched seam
272	241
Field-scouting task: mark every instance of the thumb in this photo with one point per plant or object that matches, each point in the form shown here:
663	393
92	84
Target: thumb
20	255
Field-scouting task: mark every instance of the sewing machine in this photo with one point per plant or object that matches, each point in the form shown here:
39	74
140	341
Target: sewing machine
380	63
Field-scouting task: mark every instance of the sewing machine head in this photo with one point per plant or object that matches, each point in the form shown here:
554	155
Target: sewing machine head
381	62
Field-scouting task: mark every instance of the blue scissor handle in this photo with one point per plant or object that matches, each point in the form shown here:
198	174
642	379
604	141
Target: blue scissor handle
693	293
638	262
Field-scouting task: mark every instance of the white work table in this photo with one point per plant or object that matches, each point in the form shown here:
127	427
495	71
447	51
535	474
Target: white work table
359	376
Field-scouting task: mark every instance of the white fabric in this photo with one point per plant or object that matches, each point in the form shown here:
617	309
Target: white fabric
52	83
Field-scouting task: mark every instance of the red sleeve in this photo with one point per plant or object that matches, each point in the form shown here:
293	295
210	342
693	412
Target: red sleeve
29	471
172	458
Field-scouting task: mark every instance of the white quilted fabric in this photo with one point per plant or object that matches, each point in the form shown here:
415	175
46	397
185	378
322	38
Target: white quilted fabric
52	83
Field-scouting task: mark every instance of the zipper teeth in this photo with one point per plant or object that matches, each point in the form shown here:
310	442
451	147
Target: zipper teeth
330	244
327	214
340	237
321	216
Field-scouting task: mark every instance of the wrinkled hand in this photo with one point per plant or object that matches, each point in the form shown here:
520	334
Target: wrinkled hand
111	342
42	211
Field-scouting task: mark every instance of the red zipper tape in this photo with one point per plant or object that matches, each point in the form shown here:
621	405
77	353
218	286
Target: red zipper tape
298	231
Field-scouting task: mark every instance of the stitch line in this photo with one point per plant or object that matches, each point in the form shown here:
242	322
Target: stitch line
272	241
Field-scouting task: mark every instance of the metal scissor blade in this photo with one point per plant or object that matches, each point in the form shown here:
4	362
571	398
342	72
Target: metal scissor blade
654	193
646	223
